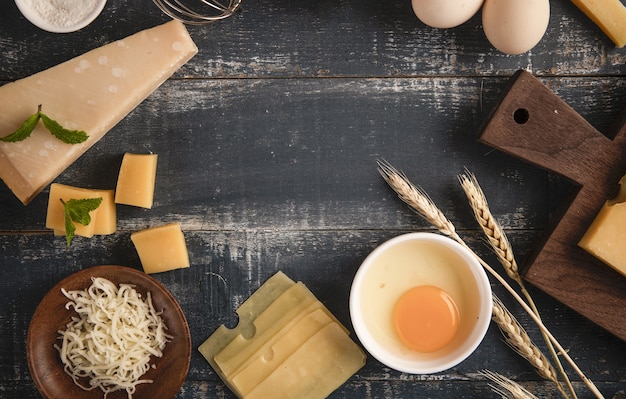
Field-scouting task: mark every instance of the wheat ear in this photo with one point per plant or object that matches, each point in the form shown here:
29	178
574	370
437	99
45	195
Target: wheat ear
517	338
506	388
504	252
423	205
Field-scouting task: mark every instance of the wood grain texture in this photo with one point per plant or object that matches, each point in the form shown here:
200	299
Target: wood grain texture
267	144
535	125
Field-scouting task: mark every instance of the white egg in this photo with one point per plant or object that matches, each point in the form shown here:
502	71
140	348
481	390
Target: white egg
445	13
515	26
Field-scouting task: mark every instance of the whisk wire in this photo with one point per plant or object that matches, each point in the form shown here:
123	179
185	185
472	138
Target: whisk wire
204	11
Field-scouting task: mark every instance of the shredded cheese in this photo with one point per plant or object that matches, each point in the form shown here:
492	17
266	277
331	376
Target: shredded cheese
111	340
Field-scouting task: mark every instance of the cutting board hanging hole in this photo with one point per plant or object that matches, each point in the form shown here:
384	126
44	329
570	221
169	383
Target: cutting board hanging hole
521	116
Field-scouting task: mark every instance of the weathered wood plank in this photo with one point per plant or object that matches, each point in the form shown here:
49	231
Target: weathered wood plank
302	153
290	38
228	266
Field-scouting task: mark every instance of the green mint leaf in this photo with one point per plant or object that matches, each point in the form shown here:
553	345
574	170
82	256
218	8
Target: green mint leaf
65	135
23	131
77	211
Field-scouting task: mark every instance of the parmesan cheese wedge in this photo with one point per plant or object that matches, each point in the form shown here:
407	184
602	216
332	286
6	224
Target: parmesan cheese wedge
91	92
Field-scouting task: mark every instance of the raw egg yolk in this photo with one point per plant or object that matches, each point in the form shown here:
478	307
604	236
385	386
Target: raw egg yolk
426	318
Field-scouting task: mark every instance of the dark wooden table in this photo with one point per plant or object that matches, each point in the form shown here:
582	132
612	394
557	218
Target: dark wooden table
267	144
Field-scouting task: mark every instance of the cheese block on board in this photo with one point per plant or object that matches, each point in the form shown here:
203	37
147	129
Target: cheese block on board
91	92
609	15
606	237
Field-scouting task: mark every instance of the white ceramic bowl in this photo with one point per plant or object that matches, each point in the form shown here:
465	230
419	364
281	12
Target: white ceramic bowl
45	15
411	260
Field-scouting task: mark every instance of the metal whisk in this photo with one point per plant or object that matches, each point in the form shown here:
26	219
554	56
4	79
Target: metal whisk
202	12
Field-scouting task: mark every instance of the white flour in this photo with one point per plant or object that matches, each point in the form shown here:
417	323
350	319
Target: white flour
62	13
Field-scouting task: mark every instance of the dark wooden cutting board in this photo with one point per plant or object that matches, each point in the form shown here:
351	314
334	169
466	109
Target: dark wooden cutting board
532	123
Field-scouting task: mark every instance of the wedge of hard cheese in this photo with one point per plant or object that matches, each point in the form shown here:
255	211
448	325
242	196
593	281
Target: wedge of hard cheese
609	15
91	92
606	236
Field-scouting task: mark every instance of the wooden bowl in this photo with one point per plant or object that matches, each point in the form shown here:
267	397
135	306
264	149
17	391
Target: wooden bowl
51	316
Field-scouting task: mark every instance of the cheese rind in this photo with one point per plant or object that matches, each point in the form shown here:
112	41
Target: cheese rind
161	248
606	236
609	15
91	92
135	183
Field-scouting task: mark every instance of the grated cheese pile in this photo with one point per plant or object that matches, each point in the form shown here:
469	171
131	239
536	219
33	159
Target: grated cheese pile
112	338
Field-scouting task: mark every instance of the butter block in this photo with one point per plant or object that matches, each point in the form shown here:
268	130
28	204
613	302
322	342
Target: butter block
91	92
609	15
55	216
135	182
161	248
606	236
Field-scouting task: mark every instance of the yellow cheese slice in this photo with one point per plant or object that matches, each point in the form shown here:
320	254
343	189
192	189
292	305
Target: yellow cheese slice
135	183
91	92
609	15
283	310
281	347
55	217
252	307
315	370
606	237
161	248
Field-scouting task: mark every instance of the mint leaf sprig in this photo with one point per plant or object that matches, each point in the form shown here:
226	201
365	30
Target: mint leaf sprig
65	135
77	211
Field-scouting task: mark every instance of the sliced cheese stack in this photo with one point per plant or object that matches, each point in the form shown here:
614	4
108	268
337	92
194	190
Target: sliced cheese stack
91	92
286	345
606	237
103	219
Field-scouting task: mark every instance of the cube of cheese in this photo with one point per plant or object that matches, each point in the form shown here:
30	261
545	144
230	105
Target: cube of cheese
606	237
91	92
161	248
135	183
55	217
106	216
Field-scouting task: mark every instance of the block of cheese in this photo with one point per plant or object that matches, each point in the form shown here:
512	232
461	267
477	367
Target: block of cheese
55	217
606	237
135	182
609	15
104	219
161	248
280	326
91	92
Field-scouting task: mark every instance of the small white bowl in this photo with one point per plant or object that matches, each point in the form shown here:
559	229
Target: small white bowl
411	260
39	13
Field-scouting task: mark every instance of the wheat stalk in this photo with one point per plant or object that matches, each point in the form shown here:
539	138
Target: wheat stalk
517	338
422	204
504	252
506	388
